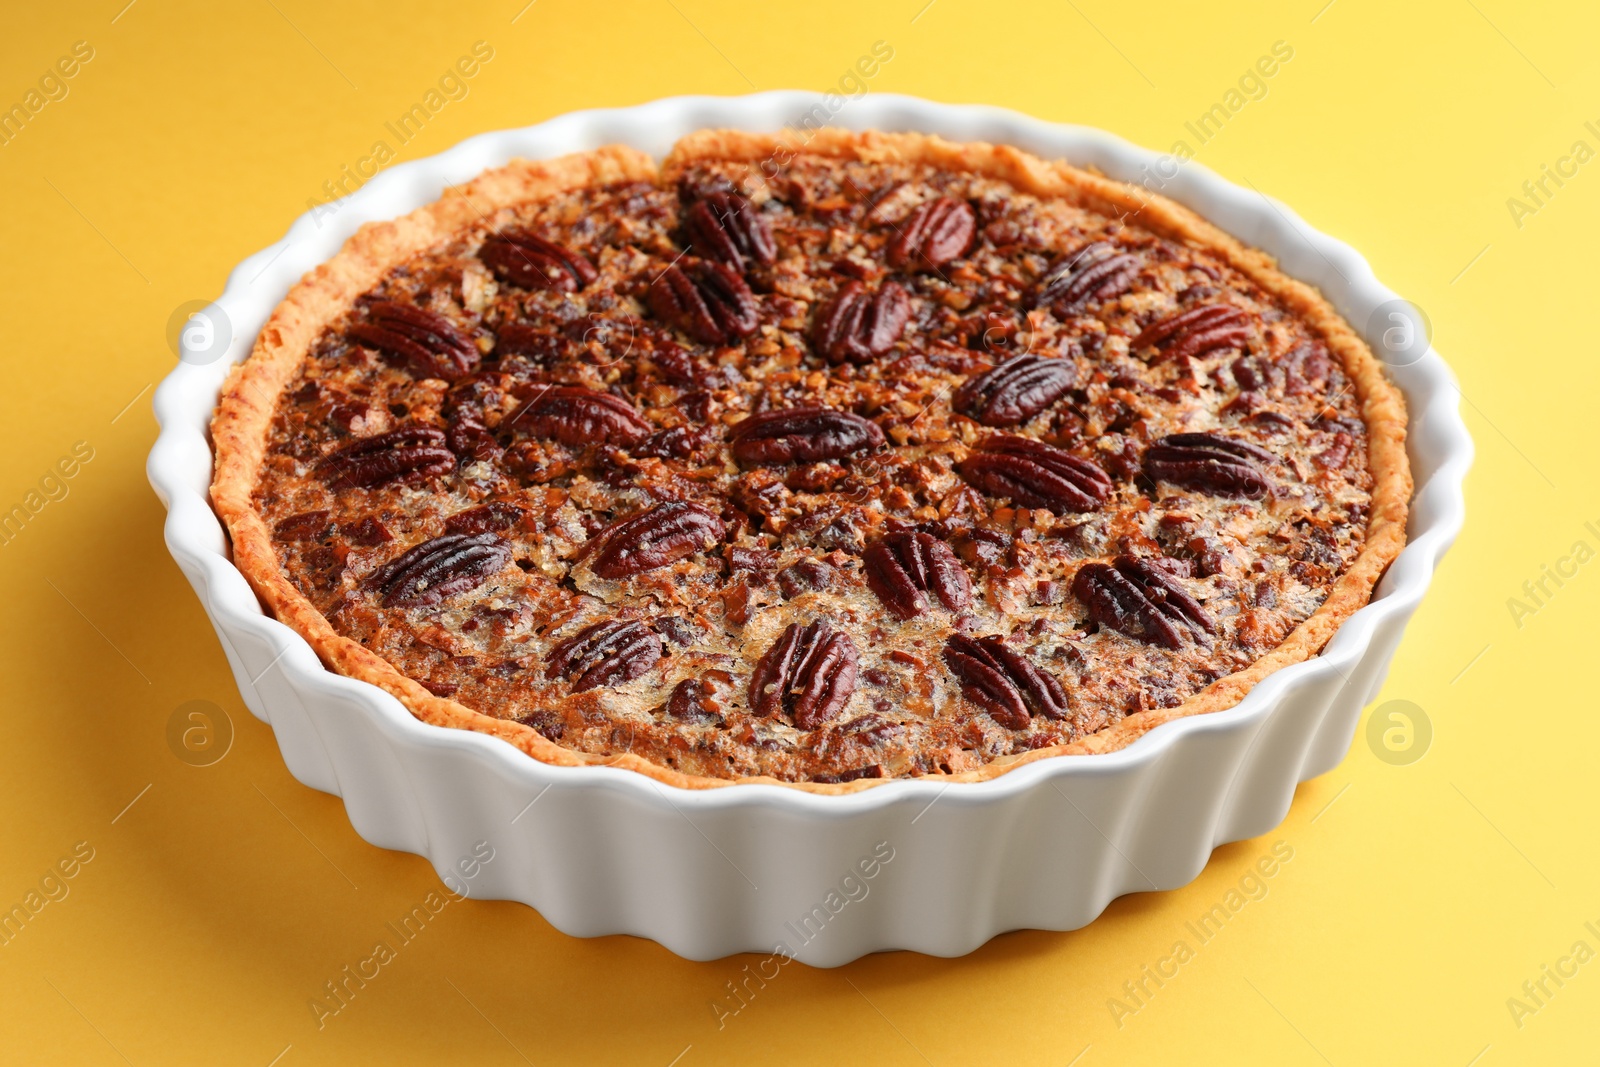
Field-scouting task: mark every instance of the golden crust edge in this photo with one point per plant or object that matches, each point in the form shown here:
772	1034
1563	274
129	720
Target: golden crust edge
245	411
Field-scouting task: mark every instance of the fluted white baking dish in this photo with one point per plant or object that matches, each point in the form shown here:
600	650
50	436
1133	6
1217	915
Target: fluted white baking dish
938	868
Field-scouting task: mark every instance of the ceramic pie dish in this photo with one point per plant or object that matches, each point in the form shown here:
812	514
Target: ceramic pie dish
791	322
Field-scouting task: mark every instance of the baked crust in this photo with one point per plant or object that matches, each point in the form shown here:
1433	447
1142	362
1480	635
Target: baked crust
253	392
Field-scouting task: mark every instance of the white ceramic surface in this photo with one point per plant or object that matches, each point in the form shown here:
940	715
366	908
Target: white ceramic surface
708	873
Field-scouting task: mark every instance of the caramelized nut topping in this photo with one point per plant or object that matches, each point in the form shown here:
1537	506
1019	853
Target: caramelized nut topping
817	468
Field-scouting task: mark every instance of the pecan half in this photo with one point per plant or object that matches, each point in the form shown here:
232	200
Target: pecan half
1035	475
904	567
664	534
528	261
1210	463
1016	390
1095	273
1137	598
934	234
1003	682
706	300
607	653
441	567
857	326
410	453
808	673
802	435
725	226
1196	331
497	516
430	345
576	416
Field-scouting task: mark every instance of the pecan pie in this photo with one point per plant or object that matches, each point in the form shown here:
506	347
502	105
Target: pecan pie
810	459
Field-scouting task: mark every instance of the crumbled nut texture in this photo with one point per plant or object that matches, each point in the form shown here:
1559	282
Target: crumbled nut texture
655	654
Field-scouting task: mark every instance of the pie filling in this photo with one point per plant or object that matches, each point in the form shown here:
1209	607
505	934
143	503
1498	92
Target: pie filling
826	471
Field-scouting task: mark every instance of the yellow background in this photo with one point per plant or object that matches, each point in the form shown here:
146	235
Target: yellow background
1420	897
